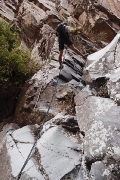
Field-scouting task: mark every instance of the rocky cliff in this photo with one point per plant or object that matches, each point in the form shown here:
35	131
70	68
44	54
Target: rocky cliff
75	133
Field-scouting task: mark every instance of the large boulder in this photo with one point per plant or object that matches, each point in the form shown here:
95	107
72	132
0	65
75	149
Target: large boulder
99	119
55	155
104	64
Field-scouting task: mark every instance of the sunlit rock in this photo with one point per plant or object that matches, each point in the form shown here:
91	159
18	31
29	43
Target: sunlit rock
105	64
99	119
55	155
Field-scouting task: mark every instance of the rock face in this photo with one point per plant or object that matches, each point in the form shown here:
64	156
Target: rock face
39	90
111	6
50	158
106	63
7	9
96	17
99	119
79	137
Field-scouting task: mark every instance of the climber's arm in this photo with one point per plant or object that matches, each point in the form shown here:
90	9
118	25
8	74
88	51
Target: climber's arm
74	29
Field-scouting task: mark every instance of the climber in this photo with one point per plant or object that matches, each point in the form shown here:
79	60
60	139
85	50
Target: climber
63	34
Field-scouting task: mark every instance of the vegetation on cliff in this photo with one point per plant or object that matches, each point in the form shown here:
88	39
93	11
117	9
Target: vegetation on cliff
13	61
16	67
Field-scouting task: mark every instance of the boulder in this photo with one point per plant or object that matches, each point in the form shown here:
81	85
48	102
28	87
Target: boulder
105	64
104	133
89	107
99	119
55	155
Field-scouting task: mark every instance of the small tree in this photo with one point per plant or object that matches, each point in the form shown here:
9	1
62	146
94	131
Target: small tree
13	61
14	69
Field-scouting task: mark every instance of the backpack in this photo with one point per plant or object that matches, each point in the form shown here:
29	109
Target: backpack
60	30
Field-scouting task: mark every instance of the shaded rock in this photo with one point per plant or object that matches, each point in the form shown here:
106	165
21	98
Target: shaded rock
30	18
71	58
71	70
111	8
42	47
103	31
99	24
71	125
35	100
82	96
65	74
60	119
98	171
63	90
39	90
8	128
37	28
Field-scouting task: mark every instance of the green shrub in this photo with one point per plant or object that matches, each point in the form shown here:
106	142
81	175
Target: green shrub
13	61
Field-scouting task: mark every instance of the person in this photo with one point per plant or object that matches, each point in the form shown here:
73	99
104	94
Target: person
63	33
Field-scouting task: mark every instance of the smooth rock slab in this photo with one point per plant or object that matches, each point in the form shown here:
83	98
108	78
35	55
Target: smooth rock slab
90	108
54	156
59	155
18	148
99	118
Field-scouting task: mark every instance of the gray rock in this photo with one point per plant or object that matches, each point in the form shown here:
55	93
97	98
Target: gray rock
90	108
105	63
100	120
65	74
54	156
63	90
82	96
99	171
60	151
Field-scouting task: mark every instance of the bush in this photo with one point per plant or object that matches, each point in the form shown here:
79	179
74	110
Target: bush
13	61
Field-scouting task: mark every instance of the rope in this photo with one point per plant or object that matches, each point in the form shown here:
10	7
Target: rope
41	127
41	91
